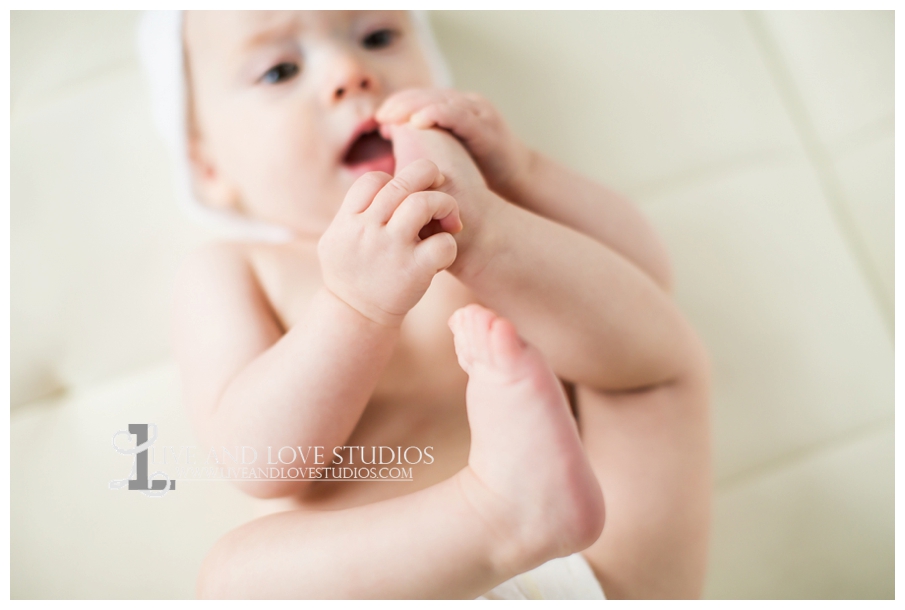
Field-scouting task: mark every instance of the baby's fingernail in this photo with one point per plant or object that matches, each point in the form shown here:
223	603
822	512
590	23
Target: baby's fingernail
420	121
439	180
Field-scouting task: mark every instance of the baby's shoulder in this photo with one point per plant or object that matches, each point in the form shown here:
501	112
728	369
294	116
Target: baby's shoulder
270	279
214	260
218	268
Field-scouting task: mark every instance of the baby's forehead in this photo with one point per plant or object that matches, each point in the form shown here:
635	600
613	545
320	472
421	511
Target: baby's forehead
222	29
230	30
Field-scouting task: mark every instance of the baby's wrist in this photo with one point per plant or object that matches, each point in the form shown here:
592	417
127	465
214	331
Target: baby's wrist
365	313
479	238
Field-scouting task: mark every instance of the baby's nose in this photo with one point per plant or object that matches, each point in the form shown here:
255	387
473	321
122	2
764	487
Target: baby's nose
351	78
363	84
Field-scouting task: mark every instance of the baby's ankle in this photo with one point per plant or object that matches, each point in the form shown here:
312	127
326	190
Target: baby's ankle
514	545
480	239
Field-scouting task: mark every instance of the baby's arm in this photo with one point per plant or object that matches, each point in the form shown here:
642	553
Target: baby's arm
248	384
531	180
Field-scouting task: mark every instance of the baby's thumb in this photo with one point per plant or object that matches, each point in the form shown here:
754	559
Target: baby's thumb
437	252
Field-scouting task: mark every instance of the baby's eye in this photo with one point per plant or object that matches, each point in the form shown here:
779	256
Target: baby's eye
379	39
280	72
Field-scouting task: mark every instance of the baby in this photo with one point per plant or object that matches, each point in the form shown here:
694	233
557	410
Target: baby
414	210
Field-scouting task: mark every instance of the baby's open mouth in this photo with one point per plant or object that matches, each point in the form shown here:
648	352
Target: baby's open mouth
370	152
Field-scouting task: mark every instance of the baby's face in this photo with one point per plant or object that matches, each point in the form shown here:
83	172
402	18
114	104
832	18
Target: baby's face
283	105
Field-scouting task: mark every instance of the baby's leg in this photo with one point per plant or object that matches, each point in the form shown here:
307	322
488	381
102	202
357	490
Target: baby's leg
526	496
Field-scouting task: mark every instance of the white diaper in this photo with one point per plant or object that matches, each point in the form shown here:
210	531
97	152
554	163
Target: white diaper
564	578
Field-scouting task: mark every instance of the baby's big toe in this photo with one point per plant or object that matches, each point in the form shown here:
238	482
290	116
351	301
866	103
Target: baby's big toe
482	337
409	144
506	346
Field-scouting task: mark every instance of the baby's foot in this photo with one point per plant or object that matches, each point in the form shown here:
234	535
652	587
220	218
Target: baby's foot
527	471
441	147
463	181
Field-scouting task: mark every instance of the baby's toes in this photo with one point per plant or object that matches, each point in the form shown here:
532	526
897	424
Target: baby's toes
506	346
461	341
471	327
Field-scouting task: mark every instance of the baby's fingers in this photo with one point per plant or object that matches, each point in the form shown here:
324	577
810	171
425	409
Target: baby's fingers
437	252
418	175
461	121
363	191
419	209
399	107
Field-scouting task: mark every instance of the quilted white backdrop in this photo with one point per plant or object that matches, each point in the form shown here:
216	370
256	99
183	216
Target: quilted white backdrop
760	144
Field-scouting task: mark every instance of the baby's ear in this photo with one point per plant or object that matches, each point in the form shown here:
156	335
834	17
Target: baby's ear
209	185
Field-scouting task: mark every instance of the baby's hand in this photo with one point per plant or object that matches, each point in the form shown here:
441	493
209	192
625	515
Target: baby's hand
371	254
503	159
